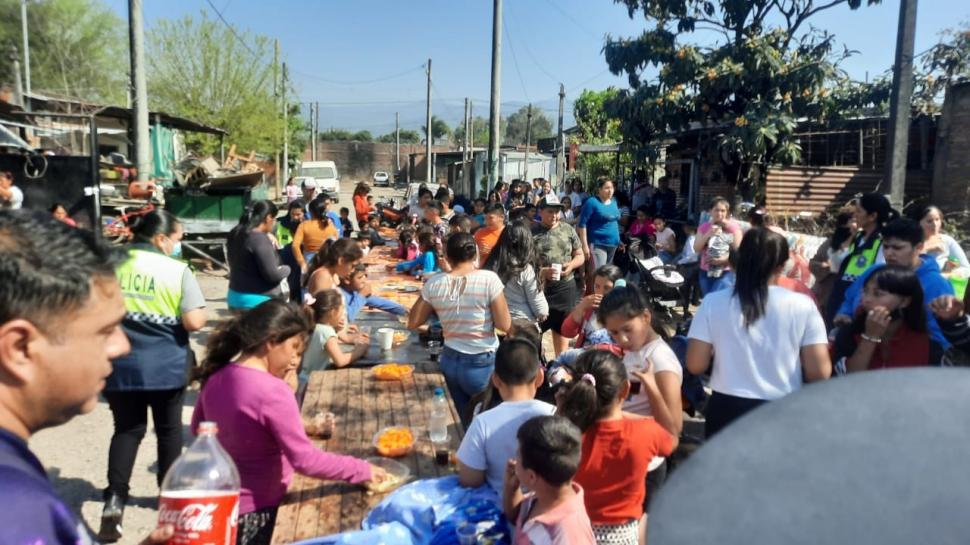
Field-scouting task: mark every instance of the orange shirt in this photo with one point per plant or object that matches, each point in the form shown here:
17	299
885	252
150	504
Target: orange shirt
486	239
310	236
361	208
613	467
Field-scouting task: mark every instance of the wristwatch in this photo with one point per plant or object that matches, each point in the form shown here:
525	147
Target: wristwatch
874	340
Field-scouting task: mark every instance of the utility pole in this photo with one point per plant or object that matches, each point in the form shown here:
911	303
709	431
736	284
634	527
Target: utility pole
471	134
397	143
427	132
897	138
18	86
495	107
561	142
466	156
286	138
136	36
316	128
276	103
23	28
528	138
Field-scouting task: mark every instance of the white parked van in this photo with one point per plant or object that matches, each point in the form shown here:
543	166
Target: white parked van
324	173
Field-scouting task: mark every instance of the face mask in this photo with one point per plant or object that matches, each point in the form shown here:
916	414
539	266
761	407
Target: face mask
365	249
176	250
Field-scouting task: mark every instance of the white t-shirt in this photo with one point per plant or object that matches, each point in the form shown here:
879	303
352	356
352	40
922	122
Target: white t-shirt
763	361
667	240
663	359
16	199
491	441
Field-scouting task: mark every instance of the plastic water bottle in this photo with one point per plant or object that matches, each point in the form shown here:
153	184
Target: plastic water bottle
438	426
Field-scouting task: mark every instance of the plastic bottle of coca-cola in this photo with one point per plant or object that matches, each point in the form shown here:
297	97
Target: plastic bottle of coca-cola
200	493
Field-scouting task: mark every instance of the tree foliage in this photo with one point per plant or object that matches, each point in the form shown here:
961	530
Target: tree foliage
407	136
480	131
78	48
199	70
597	126
765	69
439	129
516	125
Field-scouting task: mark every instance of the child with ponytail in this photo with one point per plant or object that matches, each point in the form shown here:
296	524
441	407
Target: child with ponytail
243	391
323	350
617	446
625	314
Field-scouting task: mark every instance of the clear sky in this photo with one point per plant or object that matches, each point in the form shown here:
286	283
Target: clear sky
336	49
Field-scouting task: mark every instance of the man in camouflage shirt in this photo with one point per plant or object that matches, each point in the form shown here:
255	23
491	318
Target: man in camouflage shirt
557	244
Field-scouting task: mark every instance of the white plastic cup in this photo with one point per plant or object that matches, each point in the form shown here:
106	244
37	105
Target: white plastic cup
385	338
557	271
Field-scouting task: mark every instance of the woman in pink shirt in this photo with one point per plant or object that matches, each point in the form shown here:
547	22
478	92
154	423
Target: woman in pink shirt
715	241
259	422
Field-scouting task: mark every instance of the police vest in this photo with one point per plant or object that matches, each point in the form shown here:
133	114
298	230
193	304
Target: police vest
860	258
283	235
152	286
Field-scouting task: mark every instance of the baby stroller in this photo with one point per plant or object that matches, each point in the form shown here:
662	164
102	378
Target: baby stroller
663	285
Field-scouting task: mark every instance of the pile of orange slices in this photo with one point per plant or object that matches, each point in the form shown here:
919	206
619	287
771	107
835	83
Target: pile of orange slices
393	442
393	371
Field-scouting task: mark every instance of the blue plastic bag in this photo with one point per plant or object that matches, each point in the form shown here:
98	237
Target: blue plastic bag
432	509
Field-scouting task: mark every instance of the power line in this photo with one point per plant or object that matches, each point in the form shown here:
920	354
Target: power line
572	20
233	30
532	56
515	60
362	82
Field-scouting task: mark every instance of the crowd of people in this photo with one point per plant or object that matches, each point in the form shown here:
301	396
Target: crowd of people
586	429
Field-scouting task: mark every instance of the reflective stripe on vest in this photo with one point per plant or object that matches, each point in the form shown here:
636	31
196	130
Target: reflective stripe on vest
859	263
152	286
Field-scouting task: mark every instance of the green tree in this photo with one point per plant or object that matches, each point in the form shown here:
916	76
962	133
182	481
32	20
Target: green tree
78	48
407	136
439	129
941	66
480	131
199	70
335	135
517	124
765	70
597	126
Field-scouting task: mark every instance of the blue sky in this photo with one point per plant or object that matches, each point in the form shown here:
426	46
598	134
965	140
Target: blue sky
332	46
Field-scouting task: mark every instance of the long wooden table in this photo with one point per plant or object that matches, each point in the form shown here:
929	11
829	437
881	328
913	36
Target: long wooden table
363	406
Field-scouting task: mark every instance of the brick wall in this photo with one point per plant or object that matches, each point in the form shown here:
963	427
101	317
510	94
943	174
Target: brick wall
358	161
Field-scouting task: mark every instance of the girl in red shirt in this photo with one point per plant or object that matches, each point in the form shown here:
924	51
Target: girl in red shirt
617	447
889	329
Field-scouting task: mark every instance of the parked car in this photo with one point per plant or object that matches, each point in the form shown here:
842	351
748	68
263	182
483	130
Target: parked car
382	178
324	173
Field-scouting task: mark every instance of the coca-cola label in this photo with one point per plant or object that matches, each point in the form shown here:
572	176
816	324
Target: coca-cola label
203	518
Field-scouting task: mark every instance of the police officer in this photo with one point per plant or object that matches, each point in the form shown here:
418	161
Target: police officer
872	211
163	303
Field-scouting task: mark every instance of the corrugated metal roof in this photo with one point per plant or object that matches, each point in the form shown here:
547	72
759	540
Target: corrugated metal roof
816	189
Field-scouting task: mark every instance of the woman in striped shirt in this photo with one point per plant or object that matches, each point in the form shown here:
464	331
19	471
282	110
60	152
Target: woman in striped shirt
470	305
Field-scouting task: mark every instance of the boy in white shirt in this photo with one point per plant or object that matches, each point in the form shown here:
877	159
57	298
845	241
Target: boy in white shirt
491	439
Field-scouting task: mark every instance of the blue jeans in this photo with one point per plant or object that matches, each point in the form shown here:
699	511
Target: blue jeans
465	374
710	285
